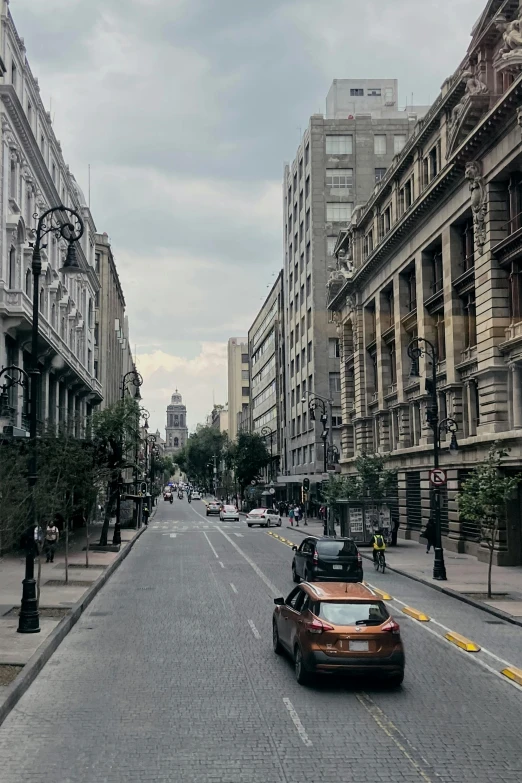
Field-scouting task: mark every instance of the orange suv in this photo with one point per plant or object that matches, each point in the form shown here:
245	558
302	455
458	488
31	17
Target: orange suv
338	628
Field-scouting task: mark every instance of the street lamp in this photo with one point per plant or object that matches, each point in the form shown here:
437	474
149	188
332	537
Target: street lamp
266	432
418	347
132	377
64	223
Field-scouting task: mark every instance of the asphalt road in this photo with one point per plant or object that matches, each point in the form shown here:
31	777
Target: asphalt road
170	676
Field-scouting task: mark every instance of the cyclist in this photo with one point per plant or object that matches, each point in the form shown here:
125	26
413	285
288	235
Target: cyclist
378	543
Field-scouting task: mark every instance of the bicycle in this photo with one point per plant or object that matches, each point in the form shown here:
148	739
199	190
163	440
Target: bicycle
380	561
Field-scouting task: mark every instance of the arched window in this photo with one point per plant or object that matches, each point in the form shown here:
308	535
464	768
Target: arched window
28	282
12	268
181	421
91	315
62	328
176	421
176	441
53	315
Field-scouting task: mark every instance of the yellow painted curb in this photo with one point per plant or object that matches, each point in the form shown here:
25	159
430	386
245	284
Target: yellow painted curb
384	596
420	616
514	674
462	642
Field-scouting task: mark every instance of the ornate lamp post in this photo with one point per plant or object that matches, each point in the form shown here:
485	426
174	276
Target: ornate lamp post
132	377
64	223
266	432
417	348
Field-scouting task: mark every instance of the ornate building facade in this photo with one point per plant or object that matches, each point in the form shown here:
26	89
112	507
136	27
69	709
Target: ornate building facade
176	431
436	253
34	177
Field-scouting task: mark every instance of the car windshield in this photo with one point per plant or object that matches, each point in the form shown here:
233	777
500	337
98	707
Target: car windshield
336	548
353	613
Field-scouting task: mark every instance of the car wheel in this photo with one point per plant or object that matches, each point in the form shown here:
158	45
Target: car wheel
275	639
249	525
267	524
395	681
296	578
301	675
279	523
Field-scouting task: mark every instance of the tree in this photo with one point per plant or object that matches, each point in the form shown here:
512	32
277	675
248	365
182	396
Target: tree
200	450
115	434
248	457
484	498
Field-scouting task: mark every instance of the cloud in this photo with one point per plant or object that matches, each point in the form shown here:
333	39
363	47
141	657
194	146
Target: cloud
197	379
185	111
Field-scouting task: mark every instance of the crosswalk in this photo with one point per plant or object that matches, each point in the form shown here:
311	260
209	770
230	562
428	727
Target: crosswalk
175	527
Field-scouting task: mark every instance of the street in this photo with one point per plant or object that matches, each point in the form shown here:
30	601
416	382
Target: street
170	676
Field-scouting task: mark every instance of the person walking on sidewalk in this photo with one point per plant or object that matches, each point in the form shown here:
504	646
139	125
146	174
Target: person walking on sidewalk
297	515
291	515
52	534
429	534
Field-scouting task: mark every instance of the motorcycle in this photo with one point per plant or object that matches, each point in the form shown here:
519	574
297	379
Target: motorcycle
171	499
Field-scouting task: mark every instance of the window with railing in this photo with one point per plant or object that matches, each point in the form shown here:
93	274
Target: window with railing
470	320
467	245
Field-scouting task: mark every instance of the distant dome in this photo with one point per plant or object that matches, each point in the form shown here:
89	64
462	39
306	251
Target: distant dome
176	398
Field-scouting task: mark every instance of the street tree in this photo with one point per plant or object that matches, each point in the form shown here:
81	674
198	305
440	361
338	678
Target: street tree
202	448
484	498
248	457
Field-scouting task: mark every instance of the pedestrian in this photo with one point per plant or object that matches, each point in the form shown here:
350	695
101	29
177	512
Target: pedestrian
52	534
146	514
291	515
297	515
429	534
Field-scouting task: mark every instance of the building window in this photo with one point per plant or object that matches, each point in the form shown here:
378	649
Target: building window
374	92
30	113
358	92
311	453
470	320
411	290
298	430
308	285
307	153
334	382
307	253
297	360
244	375
399	141
309	352
176	442
244	358
336	213
340	179
437	272
515	291
337	421
440	336
379	174
374	370
339	145
245	391
433	163
13	73
393	365
330	245
388	96
379	144
333	348
97	263
467	246
28	282
309	318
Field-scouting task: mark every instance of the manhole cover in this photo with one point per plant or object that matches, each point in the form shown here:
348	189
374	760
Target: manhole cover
8	672
71	583
44	611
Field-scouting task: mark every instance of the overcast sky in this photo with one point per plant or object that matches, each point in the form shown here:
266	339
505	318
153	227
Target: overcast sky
186	111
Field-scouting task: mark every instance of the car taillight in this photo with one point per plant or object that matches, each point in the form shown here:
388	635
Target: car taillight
359	558
316	626
316	557
391	627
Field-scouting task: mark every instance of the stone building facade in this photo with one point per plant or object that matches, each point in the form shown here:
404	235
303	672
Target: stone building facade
238	381
33	178
176	431
337	166
436	253
266	348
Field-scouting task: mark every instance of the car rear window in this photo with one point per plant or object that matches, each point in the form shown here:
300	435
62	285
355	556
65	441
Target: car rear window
256	513
336	548
356	613
229	508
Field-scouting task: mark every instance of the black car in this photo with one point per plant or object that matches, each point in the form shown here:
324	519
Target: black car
327	558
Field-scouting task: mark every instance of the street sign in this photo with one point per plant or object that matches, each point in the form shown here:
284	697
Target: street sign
437	477
272	491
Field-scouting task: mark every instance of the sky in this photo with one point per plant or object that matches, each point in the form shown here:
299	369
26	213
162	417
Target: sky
186	111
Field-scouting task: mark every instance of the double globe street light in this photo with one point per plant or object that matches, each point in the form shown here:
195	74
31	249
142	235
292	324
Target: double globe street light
65	224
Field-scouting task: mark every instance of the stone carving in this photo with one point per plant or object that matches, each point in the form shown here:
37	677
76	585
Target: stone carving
509	56
351	310
474	86
473	174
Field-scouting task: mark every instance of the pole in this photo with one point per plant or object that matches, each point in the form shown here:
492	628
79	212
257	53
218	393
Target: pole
439	568
29	618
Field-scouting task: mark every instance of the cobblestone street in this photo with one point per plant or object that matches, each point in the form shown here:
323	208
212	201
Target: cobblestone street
170	676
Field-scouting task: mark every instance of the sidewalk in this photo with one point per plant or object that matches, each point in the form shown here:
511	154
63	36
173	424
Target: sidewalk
467	577
56	600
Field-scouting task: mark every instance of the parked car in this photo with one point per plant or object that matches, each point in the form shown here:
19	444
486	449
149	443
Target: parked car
264	517
338	628
214	507
196	496
327	558
229	512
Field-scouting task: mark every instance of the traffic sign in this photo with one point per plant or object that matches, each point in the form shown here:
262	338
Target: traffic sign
437	477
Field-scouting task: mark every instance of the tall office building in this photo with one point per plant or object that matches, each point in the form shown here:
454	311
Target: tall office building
338	163
238	381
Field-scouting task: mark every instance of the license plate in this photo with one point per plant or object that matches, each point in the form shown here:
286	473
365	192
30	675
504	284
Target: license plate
337	567
358	646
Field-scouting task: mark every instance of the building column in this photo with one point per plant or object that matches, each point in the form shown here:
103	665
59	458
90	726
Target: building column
516	377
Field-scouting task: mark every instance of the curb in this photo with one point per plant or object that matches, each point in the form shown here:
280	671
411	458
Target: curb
35	664
446	590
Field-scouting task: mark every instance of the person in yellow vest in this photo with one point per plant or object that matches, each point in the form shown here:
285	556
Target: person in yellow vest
378	543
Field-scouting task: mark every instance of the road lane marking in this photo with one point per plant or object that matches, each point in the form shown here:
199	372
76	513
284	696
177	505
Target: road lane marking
296	720
271	586
234	588
238	535
390	730
221	564
210	545
254	630
384	596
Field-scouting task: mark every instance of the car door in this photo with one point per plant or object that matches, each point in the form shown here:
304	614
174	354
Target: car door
301	557
289	616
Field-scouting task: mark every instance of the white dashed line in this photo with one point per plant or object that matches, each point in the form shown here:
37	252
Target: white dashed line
297	723
234	588
221	564
254	629
210	544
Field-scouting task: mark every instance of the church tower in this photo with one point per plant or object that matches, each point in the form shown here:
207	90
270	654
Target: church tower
176	429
